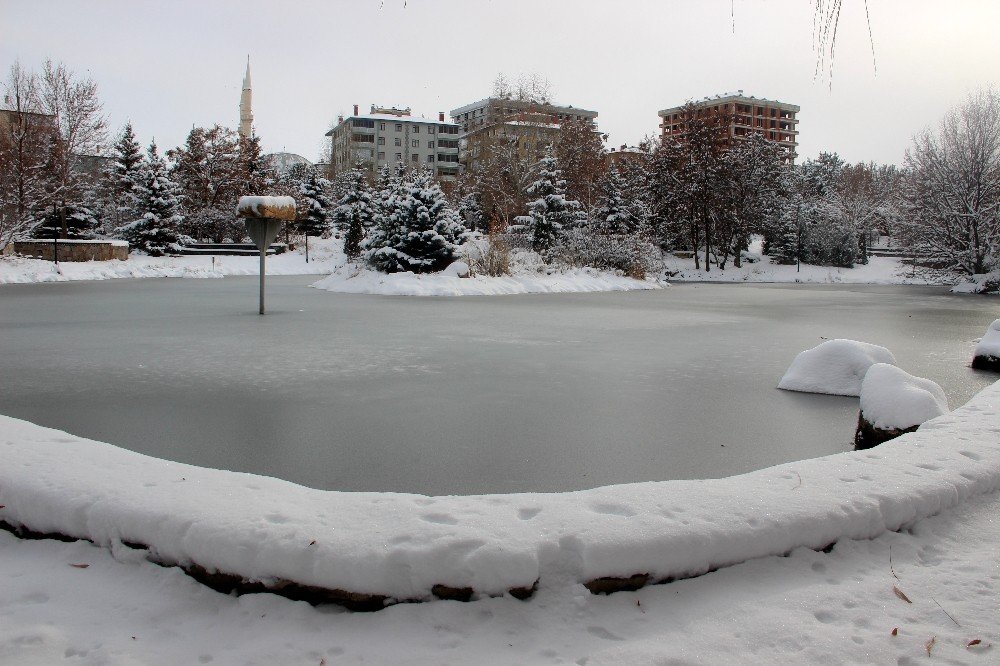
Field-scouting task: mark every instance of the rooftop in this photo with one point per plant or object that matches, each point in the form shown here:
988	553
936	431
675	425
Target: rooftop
387	117
569	108
737	96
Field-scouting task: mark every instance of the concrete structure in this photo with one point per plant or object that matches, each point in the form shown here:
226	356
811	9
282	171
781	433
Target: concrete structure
745	115
534	125
246	105
73	250
392	136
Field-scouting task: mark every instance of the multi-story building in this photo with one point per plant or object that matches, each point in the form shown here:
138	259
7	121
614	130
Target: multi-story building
534	125
777	121
392	136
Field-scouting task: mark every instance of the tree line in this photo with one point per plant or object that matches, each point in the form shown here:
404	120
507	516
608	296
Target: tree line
565	198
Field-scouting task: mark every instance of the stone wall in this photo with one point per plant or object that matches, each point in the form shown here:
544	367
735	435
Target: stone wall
73	250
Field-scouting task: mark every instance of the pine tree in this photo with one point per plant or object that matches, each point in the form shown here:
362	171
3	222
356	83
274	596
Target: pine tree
122	179
156	231
318	205
615	215
551	212
418	231
355	212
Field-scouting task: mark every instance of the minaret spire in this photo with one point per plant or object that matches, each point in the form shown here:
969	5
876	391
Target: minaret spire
246	100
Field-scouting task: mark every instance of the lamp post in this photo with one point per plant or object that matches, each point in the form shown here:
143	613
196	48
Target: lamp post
263	217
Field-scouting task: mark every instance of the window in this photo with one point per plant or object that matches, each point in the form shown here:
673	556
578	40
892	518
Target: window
416	129
399	127
430	130
381	141
414	143
361	122
430	159
381	126
399	142
399	157
415	158
381	157
430	144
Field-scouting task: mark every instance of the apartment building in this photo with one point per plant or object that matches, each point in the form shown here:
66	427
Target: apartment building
534	125
777	121
392	136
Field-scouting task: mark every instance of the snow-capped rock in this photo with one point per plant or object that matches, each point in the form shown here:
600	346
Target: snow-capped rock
894	402
836	367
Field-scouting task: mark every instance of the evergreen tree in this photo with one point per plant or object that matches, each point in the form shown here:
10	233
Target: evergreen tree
122	179
318	205
616	215
551	212
417	231
157	230
355	212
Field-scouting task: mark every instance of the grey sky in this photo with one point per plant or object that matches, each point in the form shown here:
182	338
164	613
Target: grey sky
169	65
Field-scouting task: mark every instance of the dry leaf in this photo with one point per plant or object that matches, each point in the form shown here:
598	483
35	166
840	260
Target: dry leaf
930	645
973	643
899	593
895	631
80	566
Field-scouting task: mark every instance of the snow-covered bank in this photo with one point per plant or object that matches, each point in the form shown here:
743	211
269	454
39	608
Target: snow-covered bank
324	257
402	546
878	270
527	276
356	280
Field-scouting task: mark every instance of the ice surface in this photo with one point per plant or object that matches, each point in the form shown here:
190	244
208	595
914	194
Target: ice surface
892	398
835	366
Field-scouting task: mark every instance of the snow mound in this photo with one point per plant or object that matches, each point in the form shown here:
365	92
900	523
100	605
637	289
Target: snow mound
836	367
989	346
358	280
458	269
893	399
981	283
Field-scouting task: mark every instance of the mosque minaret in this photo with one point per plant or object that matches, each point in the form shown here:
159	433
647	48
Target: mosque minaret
246	112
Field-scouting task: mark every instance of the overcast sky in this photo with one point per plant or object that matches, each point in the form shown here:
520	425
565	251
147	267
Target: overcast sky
169	65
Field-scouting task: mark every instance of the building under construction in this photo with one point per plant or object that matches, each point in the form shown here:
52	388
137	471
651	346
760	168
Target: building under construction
743	115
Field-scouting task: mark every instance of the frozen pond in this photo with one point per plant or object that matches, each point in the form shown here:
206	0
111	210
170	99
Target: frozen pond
461	395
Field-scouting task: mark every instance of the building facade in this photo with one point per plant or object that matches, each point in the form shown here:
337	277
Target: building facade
393	136
533	125
777	121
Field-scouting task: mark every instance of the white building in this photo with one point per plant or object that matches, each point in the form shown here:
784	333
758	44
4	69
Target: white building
392	136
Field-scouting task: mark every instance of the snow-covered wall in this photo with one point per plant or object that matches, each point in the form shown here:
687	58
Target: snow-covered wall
401	546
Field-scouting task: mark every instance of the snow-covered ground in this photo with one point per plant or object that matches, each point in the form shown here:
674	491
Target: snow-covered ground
878	596
878	270
327	258
324	257
357	280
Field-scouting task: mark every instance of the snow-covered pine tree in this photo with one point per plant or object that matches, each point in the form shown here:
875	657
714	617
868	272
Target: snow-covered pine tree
318	205
355	212
156	231
417	231
615	215
551	212
122	179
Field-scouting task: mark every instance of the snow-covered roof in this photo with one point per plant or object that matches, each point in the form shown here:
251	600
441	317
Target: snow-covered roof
284	161
558	108
733	97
